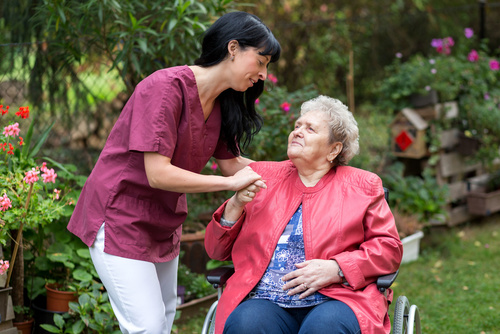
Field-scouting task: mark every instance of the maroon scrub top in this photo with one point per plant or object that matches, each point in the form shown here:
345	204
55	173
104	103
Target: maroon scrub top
163	115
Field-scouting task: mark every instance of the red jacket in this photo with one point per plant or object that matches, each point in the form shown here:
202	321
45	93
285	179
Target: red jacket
345	217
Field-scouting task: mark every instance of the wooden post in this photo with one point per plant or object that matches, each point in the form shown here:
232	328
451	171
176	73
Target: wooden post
350	82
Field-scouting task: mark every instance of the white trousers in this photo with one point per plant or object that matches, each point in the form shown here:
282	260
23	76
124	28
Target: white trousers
143	294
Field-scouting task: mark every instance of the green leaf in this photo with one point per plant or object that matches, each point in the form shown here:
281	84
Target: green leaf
50	328
58	320
42	140
78	327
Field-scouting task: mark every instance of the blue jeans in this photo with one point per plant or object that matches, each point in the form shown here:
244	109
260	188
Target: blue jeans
255	316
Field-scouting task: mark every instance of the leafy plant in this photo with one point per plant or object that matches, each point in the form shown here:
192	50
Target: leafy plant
416	195
134	36
91	314
196	285
26	203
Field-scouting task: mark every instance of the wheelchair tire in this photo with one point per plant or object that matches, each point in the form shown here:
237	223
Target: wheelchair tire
209	324
401	310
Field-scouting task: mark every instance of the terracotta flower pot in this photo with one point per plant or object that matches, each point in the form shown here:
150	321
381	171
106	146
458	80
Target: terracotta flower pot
58	300
25	327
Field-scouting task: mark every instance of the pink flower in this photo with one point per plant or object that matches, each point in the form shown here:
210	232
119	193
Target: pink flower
49	175
473	56
486	96
443	45
57	192
399	55
11	130
5	203
494	65
257	101
44	167
468	32
214	166
433	71
285	106
272	78
31	176
4	265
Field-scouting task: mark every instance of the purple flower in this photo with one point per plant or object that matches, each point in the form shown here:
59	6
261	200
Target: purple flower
399	55
486	96
437	42
433	71
468	32
428	88
432	61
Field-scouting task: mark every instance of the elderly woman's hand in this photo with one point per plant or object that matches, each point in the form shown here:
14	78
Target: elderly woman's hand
311	276
235	205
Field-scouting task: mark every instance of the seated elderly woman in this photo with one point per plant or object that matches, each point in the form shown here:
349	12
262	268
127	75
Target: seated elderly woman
309	240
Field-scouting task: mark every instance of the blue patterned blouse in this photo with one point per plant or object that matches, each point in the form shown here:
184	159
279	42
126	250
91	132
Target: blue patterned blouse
288	252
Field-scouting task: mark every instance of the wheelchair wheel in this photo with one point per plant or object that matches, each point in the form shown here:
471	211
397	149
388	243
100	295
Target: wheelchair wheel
401	310
209	324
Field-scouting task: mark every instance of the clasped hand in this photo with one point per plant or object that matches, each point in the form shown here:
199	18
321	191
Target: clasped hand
311	276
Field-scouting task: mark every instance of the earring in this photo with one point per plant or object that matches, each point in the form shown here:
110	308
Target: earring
331	161
232	58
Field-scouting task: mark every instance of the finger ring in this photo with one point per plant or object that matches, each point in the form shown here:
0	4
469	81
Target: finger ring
248	193
305	285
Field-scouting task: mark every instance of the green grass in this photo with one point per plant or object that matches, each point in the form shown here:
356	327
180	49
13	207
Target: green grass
455	282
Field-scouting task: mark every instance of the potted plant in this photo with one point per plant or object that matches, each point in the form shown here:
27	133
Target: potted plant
31	195
461	71
483	197
25	314
417	201
63	267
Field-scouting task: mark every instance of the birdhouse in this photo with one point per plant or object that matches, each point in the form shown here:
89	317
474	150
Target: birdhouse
408	135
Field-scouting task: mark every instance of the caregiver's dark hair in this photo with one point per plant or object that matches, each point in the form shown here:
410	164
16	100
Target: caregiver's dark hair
239	118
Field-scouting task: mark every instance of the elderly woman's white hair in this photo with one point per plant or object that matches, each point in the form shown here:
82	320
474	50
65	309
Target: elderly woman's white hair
343	126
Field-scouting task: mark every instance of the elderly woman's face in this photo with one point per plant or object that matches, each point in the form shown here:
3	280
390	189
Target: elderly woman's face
309	140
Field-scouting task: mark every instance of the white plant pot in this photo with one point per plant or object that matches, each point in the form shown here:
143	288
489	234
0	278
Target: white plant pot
411	246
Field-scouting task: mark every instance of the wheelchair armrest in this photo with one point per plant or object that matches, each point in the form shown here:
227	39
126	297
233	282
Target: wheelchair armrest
384	282
220	275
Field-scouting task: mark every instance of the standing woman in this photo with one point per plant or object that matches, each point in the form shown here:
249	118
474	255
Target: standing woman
132	207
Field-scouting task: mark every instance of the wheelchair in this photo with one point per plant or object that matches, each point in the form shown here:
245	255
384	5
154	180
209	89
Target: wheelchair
406	318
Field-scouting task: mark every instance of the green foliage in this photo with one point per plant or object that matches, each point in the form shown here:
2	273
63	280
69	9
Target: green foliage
415	195
196	285
91	314
134	36
374	138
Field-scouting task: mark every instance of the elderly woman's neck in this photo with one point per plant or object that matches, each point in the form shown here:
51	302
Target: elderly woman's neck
311	177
